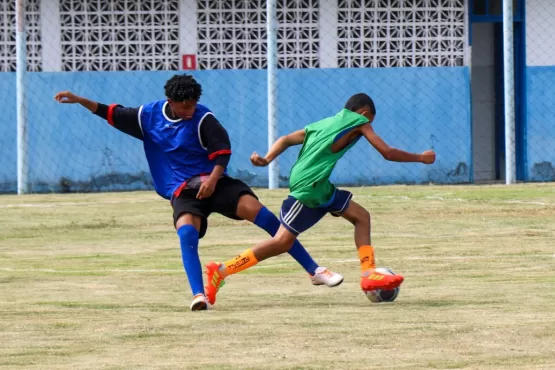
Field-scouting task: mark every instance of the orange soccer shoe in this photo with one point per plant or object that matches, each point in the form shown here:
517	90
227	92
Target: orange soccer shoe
373	280
214	281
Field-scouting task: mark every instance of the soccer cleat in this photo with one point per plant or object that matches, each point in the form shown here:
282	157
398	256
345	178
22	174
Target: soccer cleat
323	276
200	303
214	281
373	280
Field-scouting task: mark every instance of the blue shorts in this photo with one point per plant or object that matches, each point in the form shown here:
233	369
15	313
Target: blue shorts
296	217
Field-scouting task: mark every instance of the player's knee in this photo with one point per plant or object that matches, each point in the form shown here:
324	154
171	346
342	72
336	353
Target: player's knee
188	219
248	207
363	217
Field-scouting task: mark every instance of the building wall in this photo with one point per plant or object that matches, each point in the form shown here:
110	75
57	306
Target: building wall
120	51
540	90
8	133
83	35
540	27
73	150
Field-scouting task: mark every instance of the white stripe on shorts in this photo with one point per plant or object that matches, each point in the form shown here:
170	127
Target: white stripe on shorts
345	205
297	211
293	212
291	227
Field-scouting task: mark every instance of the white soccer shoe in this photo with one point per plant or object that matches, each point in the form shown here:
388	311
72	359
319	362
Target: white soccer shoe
323	276
200	303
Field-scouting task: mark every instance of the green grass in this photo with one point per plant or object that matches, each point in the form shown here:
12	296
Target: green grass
94	281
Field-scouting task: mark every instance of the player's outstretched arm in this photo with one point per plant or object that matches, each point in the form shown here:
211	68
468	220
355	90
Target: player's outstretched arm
281	145
393	154
124	119
67	97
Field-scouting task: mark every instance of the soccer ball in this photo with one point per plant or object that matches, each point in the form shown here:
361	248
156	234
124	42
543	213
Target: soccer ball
381	295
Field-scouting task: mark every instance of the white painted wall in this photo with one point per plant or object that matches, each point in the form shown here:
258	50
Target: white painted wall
187	28
328	33
51	36
540	31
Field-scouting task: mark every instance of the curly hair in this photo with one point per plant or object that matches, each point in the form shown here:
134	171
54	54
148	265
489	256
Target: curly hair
182	87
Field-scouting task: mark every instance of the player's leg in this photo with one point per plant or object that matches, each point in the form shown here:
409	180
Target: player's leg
360	218
280	243
295	218
250	208
235	199
190	227
216	272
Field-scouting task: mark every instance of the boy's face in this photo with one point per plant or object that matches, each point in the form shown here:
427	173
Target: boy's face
366	113
184	109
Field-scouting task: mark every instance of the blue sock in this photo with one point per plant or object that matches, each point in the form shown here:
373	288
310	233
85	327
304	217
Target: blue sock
268	221
188	238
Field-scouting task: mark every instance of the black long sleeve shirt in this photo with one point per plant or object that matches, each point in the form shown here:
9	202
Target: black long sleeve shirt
213	135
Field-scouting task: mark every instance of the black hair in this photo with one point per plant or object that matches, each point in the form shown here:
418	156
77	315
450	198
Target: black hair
360	100
182	87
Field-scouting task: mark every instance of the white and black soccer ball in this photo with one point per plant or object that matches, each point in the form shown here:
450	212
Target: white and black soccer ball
381	295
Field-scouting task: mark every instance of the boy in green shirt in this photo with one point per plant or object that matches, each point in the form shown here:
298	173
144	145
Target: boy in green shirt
312	195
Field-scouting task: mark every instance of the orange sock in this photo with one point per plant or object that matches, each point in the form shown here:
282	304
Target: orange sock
366	256
242	262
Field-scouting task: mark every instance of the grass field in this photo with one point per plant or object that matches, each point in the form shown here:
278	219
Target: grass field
95	282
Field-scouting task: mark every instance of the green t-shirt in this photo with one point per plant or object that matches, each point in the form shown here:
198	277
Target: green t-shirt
309	179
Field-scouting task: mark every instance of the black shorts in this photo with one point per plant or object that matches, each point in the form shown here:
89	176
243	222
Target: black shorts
224	201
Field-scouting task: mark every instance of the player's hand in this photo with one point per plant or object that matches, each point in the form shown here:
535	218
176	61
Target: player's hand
428	157
258	160
67	97
206	189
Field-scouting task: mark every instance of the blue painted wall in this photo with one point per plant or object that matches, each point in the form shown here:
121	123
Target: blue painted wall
8	133
540	137
73	150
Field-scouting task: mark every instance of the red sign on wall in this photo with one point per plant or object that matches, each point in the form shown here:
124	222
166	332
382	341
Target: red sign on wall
189	61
